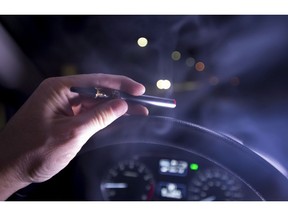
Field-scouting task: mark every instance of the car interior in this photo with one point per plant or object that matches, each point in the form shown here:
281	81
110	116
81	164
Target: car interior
226	139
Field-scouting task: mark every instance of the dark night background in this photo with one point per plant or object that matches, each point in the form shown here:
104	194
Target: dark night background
231	76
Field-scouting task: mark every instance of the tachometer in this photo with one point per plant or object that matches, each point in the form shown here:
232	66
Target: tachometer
215	185
128	180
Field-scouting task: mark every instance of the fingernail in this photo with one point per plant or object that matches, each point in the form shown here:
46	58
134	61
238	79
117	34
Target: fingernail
142	91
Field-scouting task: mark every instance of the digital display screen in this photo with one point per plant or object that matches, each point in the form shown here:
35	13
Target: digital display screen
173	167
172	190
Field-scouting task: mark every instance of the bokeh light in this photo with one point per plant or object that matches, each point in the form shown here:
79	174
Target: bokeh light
163	84
176	55
142	42
200	66
190	62
213	80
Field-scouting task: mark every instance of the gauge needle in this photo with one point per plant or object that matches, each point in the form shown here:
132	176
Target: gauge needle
210	198
115	185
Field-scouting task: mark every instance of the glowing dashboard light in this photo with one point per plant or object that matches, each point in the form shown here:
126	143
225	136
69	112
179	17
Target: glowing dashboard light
190	62
111	185
142	42
176	55
200	66
194	166
173	167
163	84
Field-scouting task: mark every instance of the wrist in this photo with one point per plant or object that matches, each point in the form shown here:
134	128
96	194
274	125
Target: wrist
10	183
10	178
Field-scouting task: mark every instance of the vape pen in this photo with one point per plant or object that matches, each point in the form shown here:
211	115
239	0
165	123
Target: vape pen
112	93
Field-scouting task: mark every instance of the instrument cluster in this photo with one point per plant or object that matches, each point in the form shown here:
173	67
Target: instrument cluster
158	173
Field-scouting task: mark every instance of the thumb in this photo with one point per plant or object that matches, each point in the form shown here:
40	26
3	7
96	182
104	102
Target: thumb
101	116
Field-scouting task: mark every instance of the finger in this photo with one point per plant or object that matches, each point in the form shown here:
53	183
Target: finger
137	109
82	103
117	82
93	120
85	101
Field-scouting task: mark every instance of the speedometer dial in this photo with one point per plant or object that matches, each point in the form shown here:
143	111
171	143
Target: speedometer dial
215	185
128	180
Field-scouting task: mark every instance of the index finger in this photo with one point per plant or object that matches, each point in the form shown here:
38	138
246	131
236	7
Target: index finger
117	82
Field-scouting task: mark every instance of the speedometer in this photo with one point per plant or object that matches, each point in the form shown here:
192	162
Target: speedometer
128	180
215	185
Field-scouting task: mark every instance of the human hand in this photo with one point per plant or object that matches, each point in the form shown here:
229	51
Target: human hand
53	125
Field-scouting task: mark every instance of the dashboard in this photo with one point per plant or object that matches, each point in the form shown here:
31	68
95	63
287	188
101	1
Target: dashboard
161	173
162	159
